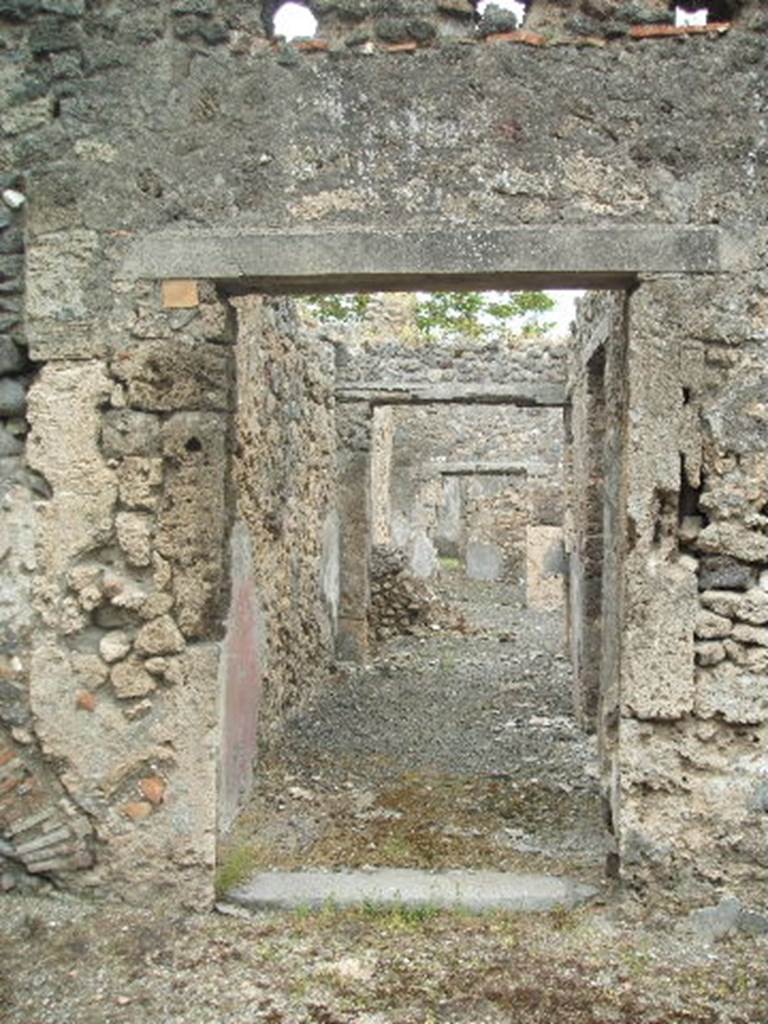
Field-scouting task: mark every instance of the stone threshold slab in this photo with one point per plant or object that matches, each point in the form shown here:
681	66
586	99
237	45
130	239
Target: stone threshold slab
475	891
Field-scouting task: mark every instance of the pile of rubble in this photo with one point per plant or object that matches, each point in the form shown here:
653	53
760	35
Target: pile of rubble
400	603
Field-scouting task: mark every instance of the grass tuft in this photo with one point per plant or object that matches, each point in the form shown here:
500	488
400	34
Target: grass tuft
235	866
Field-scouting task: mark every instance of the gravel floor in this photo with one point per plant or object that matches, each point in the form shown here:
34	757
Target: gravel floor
419	741
70	962
452	749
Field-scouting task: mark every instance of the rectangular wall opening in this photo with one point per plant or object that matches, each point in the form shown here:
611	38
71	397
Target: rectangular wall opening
427	540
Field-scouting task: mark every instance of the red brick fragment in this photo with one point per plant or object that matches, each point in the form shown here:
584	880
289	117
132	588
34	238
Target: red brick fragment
85	700
519	36
136	810
153	789
401	47
310	45
655	31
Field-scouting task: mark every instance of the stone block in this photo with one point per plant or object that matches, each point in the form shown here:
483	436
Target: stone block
757	635
721	602
130	679
753	607
159	636
710	626
134	535
50	339
721	572
13	397
180	294
12	358
658	652
139	482
114	646
709	652
729	691
170	375
754	659
733	539
127	432
88	669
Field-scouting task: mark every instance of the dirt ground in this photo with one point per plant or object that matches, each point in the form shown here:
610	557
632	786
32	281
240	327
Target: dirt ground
450	750
64	961
453	748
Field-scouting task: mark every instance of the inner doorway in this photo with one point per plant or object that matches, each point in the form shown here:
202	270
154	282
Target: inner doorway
453	742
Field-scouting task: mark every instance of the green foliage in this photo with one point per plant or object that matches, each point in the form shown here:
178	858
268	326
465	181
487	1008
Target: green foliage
450	564
338	308
399	916
236	865
476	314
473	315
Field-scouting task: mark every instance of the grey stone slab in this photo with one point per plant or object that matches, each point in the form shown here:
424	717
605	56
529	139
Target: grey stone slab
476	891
484	561
523	393
468	468
519	257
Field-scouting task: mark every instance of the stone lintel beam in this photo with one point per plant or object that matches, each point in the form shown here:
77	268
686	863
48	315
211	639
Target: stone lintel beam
385	393
545	256
490	469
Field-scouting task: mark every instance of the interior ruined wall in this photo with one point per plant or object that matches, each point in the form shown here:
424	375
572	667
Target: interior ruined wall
599	327
690	784
382	429
379	357
285	474
275	138
354	441
434	446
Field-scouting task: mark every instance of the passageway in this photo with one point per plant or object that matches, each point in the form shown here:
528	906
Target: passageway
456	747
450	734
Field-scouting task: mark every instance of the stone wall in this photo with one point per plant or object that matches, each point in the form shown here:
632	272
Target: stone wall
135	570
286	483
667	554
600	327
692	740
378	359
408	26
130	588
500	466
357	153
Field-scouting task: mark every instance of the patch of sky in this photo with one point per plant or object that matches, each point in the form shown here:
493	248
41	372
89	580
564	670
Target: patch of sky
294	21
684	17
518	8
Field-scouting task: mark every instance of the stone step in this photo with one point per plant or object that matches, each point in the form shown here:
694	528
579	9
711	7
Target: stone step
475	891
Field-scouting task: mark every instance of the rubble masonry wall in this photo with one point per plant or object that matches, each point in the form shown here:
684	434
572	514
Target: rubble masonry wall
121	121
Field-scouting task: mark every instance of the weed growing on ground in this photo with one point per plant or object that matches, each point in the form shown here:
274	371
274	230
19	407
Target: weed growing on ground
400	917
449	564
235	866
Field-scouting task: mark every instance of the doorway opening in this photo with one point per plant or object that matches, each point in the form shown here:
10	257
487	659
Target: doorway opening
423	488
